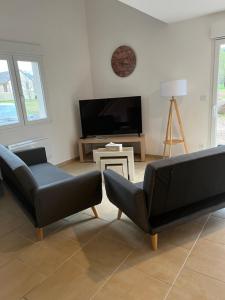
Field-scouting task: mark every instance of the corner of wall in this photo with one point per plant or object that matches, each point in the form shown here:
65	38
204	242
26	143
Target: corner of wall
88	44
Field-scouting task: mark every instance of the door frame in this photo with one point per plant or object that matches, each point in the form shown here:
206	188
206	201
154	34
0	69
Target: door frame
218	43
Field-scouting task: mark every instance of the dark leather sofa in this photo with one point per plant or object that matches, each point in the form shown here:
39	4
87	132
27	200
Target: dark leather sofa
173	191
46	192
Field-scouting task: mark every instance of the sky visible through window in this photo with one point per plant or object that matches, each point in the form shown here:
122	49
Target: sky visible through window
25	66
8	111
3	66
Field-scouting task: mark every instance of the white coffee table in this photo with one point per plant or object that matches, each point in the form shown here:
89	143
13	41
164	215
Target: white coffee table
114	157
116	162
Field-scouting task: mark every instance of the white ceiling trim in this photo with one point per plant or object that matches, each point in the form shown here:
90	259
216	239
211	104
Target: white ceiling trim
170	11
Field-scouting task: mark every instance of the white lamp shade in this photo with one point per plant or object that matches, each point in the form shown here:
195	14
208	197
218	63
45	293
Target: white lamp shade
173	88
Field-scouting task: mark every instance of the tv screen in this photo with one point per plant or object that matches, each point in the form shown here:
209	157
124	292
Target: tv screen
111	116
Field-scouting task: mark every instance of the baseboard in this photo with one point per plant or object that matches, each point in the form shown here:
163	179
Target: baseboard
153	156
66	162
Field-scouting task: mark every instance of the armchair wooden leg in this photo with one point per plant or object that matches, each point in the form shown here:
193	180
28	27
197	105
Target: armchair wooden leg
95	212
154	241
119	214
39	233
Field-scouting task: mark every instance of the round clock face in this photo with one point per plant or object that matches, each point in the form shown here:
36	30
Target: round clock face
123	61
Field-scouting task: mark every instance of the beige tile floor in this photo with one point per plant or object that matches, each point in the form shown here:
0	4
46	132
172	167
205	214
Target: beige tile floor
86	258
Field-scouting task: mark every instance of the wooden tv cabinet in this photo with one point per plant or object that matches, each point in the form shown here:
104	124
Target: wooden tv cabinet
128	139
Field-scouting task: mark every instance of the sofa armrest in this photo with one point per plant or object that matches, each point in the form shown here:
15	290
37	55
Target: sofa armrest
128	197
61	199
33	156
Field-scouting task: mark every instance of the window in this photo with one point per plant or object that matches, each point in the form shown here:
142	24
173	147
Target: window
22	97
8	109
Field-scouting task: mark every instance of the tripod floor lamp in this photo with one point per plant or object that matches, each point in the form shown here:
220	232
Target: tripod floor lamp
173	89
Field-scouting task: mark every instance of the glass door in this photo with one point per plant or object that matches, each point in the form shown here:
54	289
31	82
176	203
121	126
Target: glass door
218	116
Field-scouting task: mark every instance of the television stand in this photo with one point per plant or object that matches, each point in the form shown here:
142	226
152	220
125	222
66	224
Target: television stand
131	140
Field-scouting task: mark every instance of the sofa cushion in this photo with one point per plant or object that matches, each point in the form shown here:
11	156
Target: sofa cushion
46	174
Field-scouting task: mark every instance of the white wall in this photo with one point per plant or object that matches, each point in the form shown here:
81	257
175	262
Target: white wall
60	28
180	50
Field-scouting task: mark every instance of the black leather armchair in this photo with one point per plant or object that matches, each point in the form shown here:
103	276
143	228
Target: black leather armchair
173	191
46	192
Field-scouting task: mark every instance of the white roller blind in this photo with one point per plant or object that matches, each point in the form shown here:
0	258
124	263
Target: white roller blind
218	30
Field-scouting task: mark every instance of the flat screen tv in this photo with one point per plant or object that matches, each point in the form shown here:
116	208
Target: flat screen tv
111	116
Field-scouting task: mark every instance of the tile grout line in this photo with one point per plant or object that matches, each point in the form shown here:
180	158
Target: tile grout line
218	217
58	229
179	272
12	230
214	242
111	275
101	218
206	275
63	263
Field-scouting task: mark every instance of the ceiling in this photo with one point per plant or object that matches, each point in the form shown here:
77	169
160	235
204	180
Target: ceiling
170	11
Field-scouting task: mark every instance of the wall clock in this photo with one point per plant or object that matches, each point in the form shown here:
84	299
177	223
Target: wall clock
123	61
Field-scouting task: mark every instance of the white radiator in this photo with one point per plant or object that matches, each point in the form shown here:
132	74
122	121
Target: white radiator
30	144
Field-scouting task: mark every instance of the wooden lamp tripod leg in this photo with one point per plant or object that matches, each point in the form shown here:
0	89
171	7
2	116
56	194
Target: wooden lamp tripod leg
169	130
180	125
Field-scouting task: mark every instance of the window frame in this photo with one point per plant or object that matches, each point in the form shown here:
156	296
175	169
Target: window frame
217	44
12	59
16	96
